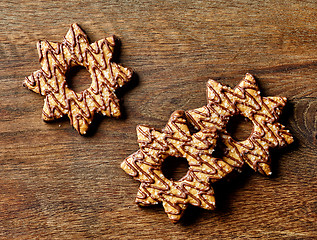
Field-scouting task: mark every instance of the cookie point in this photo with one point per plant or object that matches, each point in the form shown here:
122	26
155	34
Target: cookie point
142	128
82	133
249	76
123	164
129	72
211	81
112	40
178	113
75	25
265	169
174	218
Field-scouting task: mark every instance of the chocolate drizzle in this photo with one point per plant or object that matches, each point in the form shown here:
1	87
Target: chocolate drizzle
175	140
57	58
263	112
211	120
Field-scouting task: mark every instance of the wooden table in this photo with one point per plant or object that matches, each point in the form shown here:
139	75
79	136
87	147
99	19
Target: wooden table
56	184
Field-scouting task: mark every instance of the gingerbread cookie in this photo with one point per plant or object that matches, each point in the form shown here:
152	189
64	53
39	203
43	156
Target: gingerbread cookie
50	81
175	139
263	112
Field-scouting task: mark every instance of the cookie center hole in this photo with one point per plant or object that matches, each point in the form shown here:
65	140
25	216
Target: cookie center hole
78	78
239	127
174	168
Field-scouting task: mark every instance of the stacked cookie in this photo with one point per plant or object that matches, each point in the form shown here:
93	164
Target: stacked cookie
175	139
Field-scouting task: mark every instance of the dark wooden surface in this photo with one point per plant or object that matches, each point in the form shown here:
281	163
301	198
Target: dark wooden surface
56	184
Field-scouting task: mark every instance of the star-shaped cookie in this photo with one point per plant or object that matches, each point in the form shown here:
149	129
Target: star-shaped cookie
175	139
50	81
263	112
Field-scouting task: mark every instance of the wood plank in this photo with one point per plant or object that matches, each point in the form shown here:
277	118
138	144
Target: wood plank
56	184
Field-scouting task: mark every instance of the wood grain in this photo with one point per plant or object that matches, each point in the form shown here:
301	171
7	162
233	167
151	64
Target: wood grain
55	184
